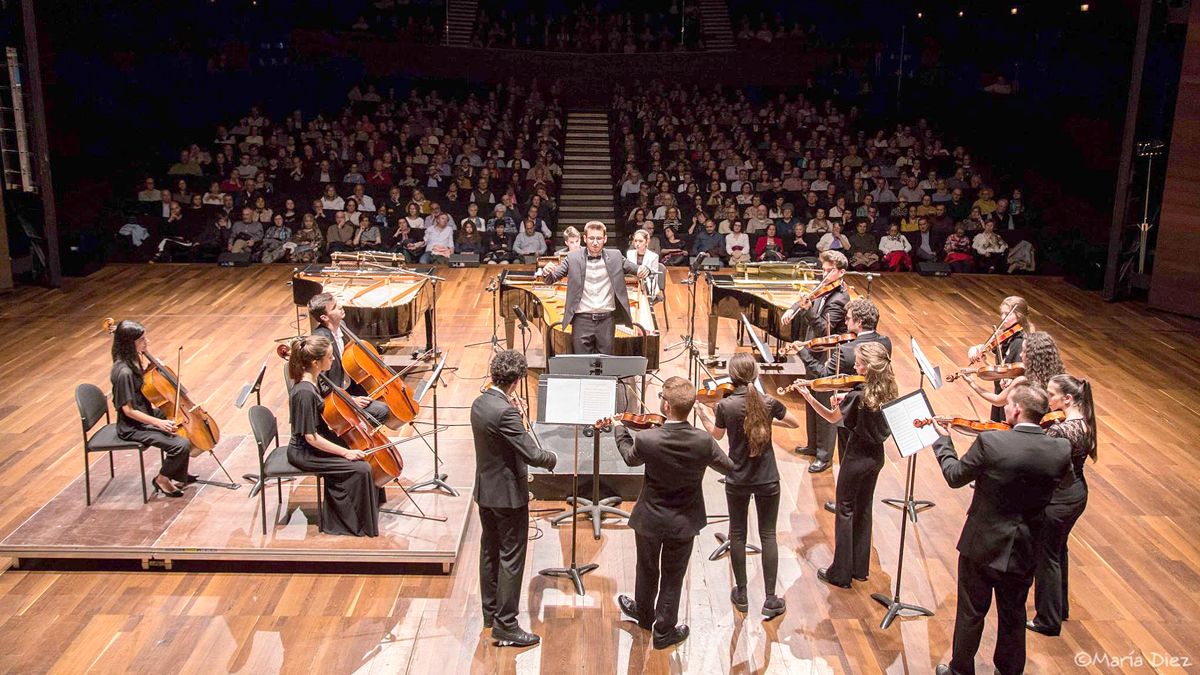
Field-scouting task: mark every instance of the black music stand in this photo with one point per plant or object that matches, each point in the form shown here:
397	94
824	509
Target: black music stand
438	481
914	506
255	388
594	365
575	408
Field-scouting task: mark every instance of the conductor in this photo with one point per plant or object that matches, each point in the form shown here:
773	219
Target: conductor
595	290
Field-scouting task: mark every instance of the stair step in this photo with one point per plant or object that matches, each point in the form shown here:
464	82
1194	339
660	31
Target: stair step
579	197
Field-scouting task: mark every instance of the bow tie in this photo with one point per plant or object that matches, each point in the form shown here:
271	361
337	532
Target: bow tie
595	257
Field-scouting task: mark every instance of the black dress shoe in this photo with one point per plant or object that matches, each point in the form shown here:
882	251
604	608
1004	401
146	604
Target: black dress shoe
738	597
831	507
805	450
773	607
629	608
514	638
1044	630
821	574
678	634
862	578
819	466
190	479
944	669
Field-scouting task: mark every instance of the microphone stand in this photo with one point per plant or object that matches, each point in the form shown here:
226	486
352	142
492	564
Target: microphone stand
494	289
689	340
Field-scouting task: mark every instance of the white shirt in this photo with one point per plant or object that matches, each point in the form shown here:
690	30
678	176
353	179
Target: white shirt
335	204
439	236
985	243
597	288
889	244
365	203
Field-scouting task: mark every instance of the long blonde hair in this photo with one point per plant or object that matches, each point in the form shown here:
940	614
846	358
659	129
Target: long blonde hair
881	381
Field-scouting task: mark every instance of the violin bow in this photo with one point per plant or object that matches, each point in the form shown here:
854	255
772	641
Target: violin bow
999	327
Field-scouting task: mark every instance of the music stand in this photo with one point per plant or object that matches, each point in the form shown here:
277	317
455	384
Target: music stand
928	371
594	365
900	415
255	388
577	400
438	481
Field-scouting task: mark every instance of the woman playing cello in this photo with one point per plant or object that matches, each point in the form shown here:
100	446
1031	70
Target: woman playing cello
351	498
137	420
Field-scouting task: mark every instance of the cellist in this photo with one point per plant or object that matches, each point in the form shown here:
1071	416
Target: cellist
137	420
329	313
351	498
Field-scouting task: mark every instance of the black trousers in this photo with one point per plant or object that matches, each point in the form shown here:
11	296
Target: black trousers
821	434
502	562
766	503
976	583
1050	577
176	450
661	565
593	333
852	517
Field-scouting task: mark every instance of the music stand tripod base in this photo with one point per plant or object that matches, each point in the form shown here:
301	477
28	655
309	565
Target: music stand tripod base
594	510
437	484
726	545
912	506
894	607
574	573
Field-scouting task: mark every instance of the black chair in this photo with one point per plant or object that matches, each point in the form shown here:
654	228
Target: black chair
92	406
274	465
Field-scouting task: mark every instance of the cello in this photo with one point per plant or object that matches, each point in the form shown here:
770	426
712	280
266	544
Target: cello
362	364
162	388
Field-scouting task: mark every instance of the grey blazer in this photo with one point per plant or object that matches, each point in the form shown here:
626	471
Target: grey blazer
572	267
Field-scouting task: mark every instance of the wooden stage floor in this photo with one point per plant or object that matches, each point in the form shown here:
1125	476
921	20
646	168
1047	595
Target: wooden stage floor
1135	561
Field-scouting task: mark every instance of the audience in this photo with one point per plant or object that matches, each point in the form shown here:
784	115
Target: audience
617	27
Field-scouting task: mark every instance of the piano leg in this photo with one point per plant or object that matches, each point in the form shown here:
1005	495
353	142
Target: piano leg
510	323
712	334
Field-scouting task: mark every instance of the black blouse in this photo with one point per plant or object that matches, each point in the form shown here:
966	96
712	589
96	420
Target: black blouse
1073	486
730	414
127	388
868	428
304	406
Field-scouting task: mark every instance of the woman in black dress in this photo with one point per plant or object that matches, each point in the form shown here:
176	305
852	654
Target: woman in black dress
1074	397
137	420
747	415
351	498
861	462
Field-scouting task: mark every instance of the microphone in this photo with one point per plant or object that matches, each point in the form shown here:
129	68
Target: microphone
521	315
699	259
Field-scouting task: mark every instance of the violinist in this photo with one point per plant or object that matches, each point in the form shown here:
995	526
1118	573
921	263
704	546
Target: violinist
748	415
329	313
824	315
503	449
1073	396
137	420
1014	313
860	411
1039	353
351	498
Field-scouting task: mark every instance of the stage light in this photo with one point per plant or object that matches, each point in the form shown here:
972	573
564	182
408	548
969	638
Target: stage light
920	15
960	13
1013	11
1084	7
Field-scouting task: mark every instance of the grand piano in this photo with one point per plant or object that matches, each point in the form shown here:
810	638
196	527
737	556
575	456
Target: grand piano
547	302
761	291
383	301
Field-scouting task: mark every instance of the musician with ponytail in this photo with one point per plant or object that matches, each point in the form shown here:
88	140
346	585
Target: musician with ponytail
747	415
1074	397
860	412
351	498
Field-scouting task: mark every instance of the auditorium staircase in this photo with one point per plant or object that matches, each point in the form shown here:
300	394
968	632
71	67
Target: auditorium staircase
587	182
715	26
460	19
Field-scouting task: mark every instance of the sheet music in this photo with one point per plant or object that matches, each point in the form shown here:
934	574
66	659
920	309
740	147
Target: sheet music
934	375
579	401
900	414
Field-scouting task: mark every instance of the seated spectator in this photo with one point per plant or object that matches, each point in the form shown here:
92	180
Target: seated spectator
834	240
214	196
652	241
839	212
213	238
737	244
758	221
908	222
473	217
439	241
149	193
863	252
330	201
959	253
367	235
989	248
247	234
277	241
709	241
470	237
799	247
500	244
674	248
407	241
363	200
529	241
769	247
941	223
308	240
986	204
819	224
353	215
974	223
925	244
895	250
339	238
640	254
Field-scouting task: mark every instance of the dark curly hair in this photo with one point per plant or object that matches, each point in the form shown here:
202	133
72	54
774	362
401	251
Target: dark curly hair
507	367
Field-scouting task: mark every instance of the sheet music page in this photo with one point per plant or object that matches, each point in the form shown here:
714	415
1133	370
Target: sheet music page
933	374
597	399
579	401
900	415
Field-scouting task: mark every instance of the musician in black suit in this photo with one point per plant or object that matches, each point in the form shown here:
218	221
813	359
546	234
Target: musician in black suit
1014	311
503	449
597	299
824	315
862	319
1015	474
326	311
670	509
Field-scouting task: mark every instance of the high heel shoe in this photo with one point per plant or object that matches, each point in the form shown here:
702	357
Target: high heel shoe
173	492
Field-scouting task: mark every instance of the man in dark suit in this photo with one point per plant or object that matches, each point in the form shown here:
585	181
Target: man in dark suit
1015	474
825	315
503	449
926	244
328	313
597	299
670	509
862	319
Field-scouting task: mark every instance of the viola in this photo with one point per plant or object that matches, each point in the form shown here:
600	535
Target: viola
633	420
715	388
964	425
362	364
162	388
1004	371
998	338
834	383
818	344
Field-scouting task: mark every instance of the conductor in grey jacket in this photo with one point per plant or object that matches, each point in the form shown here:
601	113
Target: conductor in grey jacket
503	449
670	509
597	299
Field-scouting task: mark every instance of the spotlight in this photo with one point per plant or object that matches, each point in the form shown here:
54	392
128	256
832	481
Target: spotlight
1084	7
1013	11
920	15
960	13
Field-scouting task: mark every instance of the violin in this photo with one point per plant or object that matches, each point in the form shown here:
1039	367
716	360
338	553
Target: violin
162	388
1005	371
715	388
818	344
823	289
998	338
1053	417
963	425
835	383
633	421
362	364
